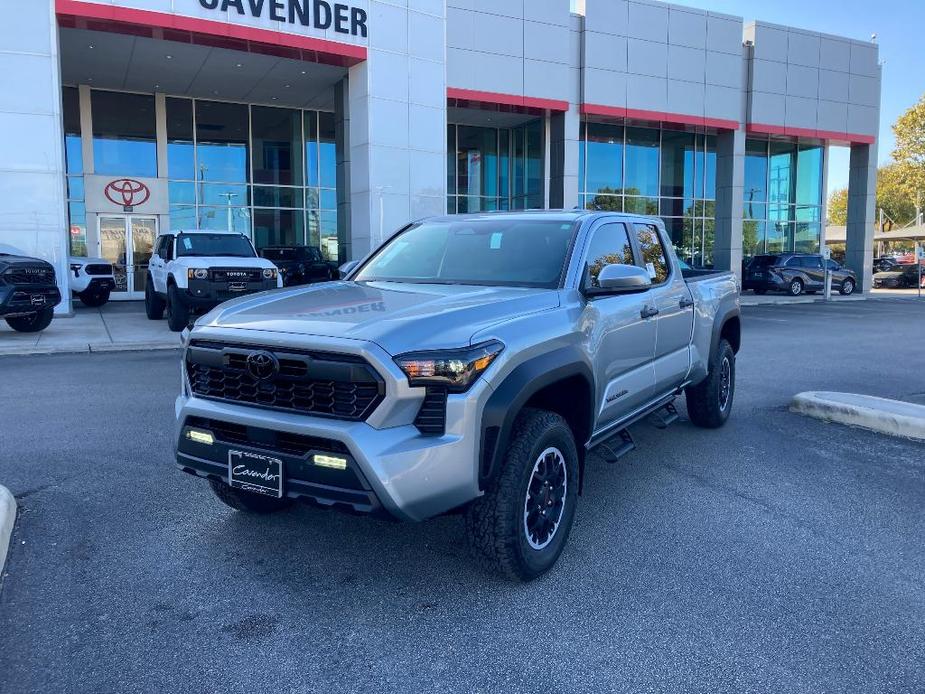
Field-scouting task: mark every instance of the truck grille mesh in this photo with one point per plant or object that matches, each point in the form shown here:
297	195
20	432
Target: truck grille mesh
27	276
318	384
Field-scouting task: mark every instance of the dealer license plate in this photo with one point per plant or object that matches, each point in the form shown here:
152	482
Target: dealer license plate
252	472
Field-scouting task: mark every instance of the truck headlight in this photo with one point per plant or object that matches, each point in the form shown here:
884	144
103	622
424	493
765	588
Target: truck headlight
456	369
269	273
199	273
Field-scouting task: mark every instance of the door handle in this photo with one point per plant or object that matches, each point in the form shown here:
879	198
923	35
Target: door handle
686	303
648	311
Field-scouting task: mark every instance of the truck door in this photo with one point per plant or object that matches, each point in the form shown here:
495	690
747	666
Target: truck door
163	254
619	338
675	319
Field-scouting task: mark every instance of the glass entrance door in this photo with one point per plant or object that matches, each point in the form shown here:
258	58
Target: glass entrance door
127	242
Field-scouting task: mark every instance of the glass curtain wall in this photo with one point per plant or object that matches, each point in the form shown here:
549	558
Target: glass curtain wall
494	168
124	134
73	156
667	173
783	197
261	170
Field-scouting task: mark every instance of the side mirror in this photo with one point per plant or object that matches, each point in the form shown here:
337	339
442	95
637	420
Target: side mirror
348	267
621	279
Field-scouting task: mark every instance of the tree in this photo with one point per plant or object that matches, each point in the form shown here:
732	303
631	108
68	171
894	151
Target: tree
892	197
910	148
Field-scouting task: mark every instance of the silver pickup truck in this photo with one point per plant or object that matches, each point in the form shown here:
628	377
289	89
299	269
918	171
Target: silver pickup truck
469	364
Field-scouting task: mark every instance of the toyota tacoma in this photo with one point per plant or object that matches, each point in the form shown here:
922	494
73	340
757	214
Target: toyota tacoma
469	364
28	291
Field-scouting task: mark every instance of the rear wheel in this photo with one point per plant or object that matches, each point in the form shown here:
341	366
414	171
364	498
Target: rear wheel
32	323
94	298
519	527
847	287
247	501
154	305
796	287
709	403
177	311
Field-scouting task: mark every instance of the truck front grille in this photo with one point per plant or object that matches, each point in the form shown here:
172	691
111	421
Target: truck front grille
98	269
236	274
29	275
314	383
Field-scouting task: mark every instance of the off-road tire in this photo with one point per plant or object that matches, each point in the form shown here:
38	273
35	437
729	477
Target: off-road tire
495	523
94	299
34	322
177	311
154	305
247	501
705	404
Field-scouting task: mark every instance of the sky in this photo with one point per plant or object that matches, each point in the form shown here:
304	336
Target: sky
896	23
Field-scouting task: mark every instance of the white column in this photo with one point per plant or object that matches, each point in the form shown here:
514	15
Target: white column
397	123
730	183
33	214
563	173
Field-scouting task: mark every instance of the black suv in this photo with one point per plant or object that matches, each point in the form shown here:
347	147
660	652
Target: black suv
300	264
900	276
28	291
795	273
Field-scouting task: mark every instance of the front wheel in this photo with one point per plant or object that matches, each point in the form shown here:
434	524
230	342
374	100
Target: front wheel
177	311
847	287
519	527
95	298
795	288
247	501
710	401
33	323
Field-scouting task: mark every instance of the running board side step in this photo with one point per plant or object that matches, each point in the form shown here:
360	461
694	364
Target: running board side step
617	446
664	417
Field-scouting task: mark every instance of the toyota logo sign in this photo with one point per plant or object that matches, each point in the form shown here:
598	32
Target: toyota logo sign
262	365
127	193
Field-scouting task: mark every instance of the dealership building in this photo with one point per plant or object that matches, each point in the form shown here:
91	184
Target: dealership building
333	123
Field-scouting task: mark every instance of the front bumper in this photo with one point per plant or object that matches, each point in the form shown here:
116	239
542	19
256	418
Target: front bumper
402	473
23	300
206	294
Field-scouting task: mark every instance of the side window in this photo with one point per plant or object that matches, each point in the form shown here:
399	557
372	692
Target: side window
168	248
653	254
833	265
610	245
794	262
815	262
159	249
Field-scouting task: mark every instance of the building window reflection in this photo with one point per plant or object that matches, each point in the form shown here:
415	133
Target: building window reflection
494	168
783	197
73	159
124	139
265	171
664	173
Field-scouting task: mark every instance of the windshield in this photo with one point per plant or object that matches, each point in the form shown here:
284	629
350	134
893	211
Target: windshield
280	253
203	244
493	252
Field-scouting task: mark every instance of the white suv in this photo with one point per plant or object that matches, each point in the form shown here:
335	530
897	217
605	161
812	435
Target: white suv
192	272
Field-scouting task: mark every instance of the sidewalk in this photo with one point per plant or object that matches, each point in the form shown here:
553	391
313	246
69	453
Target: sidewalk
116	326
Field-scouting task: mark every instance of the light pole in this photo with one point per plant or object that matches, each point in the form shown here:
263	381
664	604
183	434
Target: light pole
228	198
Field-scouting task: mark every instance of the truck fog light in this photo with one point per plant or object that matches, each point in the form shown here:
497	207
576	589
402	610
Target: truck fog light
200	436
330	461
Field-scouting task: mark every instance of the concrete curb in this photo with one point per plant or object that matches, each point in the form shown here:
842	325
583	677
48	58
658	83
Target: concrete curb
7	518
90	348
891	417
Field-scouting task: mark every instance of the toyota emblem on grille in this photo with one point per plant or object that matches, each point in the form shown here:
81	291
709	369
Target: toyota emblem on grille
262	365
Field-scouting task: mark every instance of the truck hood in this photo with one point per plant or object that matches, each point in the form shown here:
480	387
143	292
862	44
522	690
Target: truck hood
399	317
221	261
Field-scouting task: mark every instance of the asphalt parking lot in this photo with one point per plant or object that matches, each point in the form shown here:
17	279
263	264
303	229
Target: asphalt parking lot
778	554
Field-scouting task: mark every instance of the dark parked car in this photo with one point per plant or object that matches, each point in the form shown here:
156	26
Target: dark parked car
885	264
795	273
901	276
28	291
300	264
